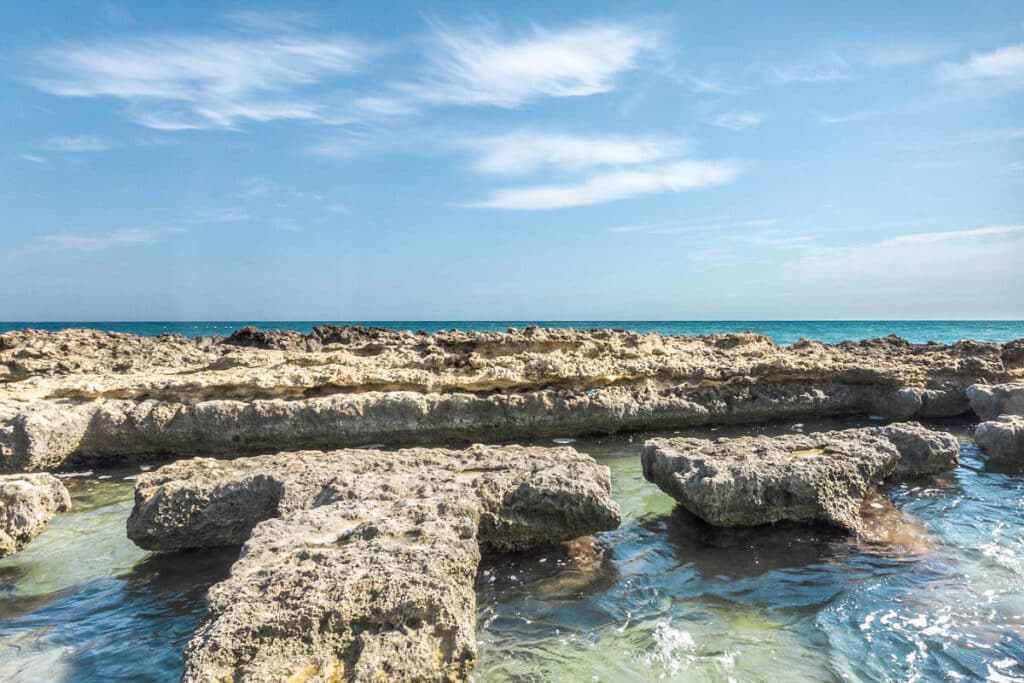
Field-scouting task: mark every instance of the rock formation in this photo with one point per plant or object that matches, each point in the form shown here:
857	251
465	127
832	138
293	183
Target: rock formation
990	401
748	481
360	564
27	504
81	395
1001	436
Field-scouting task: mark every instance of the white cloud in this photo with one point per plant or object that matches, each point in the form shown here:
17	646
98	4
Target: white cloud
82	242
80	143
228	214
827	66
478	67
676	176
736	120
34	158
1004	66
179	82
988	252
524	151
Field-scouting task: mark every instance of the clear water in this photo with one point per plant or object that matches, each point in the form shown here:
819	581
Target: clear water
664	597
782	332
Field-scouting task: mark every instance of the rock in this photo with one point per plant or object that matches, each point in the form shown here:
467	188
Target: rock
260	391
749	481
27	504
990	401
922	450
360	564
1002	438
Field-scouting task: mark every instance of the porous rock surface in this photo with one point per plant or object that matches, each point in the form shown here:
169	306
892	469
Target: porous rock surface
27	504
360	564
1002	438
80	395
754	480
990	401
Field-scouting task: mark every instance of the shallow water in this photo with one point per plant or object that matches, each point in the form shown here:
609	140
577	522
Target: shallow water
664	597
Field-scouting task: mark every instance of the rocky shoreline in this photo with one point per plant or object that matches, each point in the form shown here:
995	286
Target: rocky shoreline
359	563
85	396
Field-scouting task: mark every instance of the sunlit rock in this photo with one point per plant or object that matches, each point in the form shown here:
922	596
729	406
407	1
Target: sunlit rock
753	480
360	564
27	504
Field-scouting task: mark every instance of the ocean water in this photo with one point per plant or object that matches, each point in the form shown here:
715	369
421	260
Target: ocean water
664	597
782	332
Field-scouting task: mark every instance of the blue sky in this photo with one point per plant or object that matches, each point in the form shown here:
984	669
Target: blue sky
542	160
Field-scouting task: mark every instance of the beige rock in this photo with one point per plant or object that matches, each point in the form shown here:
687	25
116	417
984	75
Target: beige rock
1002	438
122	396
27	504
361	563
990	401
748	481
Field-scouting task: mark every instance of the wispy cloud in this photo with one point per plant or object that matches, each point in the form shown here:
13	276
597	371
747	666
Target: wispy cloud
88	242
614	185
992	251
229	214
480	67
523	151
716	224
1004	67
179	82
736	120
837	62
34	158
80	143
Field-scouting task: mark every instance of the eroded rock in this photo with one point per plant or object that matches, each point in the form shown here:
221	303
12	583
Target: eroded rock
27	504
754	480
1002	438
990	401
360	564
261	391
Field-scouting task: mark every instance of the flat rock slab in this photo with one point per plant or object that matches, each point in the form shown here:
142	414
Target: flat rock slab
80	395
27	504
991	400
360	564
749	481
1002	438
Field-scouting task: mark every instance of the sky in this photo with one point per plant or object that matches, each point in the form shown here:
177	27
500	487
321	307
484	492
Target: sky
531	160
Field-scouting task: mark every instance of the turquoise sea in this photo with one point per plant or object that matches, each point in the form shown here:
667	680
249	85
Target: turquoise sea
782	331
664	597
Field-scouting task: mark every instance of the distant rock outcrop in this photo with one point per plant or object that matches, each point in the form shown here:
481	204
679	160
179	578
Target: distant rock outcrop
82	395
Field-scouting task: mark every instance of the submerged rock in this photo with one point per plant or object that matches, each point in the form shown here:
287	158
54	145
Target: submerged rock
1002	438
749	481
990	401
359	564
80	395
27	504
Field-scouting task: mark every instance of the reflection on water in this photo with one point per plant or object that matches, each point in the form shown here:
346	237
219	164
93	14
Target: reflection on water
936	591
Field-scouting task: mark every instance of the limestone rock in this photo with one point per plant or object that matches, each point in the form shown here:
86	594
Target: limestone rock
990	401
81	395
824	476
1002	438
360	564
27	504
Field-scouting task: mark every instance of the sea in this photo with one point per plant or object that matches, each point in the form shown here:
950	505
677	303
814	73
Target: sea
662	598
781	331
